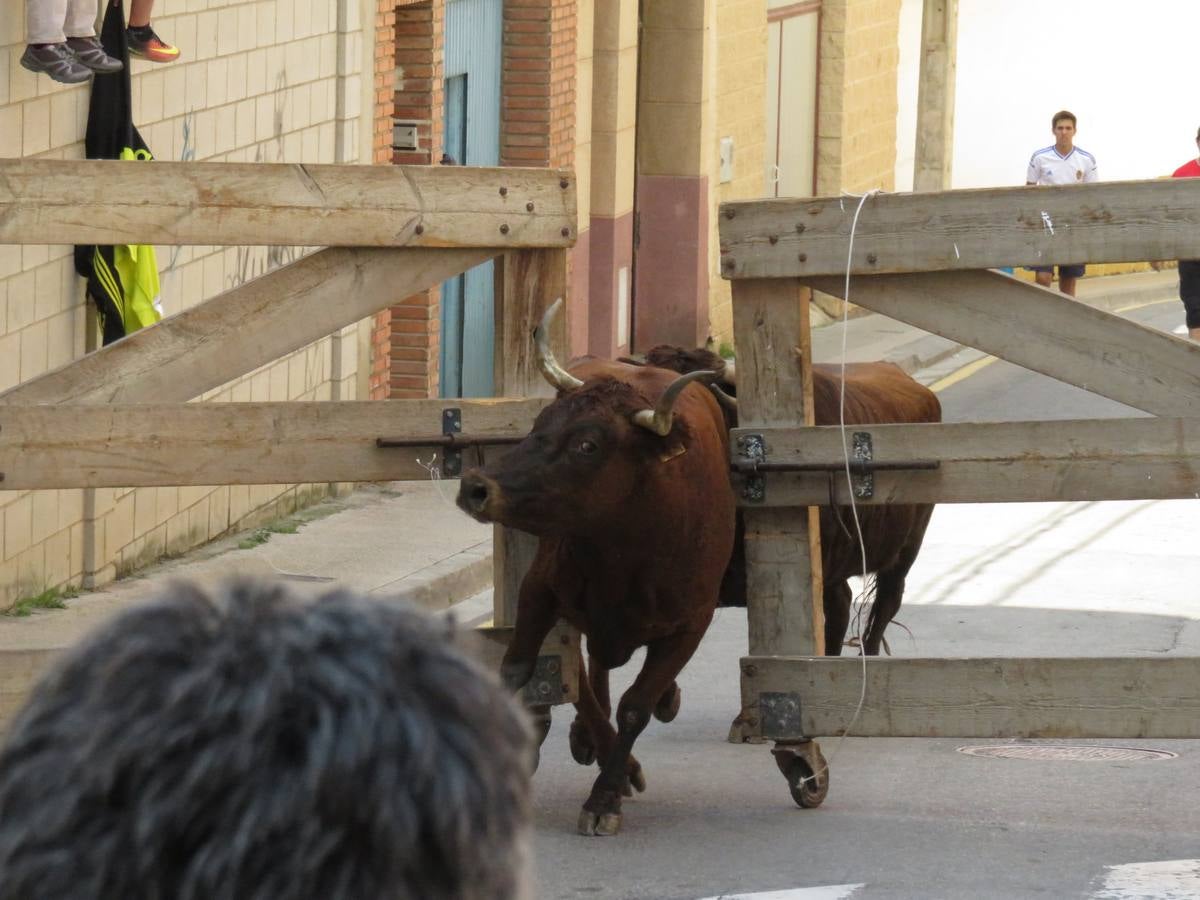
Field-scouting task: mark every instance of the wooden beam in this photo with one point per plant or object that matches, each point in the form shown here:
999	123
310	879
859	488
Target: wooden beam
527	283
977	229
1084	697
784	594
237	331
143	445
990	462
46	201
1043	330
562	645
935	95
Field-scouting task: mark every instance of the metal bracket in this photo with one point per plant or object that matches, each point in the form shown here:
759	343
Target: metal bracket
546	686
779	715
753	449
861	451
451	455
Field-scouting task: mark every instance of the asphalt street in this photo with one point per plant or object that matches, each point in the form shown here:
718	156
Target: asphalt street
919	818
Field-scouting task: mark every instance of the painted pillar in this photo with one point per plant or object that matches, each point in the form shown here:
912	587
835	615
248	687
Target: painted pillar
613	144
673	158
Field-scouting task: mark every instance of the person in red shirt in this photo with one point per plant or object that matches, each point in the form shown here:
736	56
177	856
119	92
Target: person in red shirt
1189	269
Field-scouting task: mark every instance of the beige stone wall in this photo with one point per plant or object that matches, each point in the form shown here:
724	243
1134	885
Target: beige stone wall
267	81
856	125
741	71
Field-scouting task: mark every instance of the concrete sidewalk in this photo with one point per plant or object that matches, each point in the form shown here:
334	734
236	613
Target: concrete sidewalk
408	538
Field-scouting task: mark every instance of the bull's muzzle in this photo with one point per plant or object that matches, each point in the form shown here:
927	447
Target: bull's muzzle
477	496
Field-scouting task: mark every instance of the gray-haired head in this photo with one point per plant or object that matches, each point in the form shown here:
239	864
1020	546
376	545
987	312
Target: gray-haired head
248	745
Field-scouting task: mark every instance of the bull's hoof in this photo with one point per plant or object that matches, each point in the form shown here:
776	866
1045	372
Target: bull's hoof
599	824
583	751
667	707
637	777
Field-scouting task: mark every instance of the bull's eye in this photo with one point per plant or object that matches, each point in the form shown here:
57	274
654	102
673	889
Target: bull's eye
586	447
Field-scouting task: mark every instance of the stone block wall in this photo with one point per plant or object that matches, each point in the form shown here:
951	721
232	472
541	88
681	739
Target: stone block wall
258	81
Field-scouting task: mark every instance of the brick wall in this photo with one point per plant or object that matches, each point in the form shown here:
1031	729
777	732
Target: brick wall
537	126
259	80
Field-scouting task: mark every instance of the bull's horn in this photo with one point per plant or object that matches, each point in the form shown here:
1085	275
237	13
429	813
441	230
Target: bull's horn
559	378
659	421
730	403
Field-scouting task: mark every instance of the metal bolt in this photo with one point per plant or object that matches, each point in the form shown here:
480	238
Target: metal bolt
543	688
800	228
750	671
504	229
563	639
872	258
564	184
803	257
420	229
503	192
730	213
727	264
529	206
774	239
552	667
566	232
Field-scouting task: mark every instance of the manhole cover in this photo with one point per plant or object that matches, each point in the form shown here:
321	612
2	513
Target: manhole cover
1067	752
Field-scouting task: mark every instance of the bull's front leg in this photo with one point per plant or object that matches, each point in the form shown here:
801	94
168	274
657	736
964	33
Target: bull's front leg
665	659
537	613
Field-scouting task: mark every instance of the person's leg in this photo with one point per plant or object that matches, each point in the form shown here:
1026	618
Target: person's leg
80	20
44	21
141	38
1043	274
1189	293
1067	278
139	13
47	49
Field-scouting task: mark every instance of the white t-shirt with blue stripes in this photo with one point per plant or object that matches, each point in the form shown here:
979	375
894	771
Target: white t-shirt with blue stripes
1046	166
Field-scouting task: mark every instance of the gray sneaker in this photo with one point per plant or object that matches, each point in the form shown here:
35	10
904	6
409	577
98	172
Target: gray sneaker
56	61
89	52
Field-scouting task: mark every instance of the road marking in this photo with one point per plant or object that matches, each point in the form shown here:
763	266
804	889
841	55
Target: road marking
1175	879
965	372
828	892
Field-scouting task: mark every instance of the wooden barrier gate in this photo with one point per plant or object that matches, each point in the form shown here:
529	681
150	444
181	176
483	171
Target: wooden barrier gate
389	232
773	251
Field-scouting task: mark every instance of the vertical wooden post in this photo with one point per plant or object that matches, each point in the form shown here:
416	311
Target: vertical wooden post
527	282
783	552
935	95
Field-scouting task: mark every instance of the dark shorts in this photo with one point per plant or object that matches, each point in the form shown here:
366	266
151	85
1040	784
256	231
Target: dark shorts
1063	271
1189	290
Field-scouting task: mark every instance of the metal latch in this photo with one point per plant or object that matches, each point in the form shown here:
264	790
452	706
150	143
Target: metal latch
753	451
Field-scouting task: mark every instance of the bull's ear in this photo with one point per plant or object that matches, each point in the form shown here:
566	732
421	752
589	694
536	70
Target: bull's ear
660	419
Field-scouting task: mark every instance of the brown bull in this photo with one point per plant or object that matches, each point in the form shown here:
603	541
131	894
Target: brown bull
876	392
625	481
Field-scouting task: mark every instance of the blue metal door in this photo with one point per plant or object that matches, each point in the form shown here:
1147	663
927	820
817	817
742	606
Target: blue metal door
472	126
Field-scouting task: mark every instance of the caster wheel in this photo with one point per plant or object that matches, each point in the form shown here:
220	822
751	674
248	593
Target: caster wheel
808	791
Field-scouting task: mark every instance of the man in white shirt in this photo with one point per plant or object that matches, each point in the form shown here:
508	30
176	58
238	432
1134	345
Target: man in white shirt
1061	163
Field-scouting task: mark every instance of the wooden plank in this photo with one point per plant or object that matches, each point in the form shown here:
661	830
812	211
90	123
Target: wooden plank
142	445
967	229
989	462
1077	697
1043	330
488	645
935	95
527	283
783	557
46	201
237	331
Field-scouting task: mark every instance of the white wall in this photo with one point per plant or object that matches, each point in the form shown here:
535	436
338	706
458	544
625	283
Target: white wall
1127	71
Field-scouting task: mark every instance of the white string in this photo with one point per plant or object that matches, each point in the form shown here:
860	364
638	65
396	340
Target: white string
860	602
435	475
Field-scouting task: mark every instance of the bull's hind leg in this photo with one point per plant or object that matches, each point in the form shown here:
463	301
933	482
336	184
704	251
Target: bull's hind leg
889	585
665	659
837	615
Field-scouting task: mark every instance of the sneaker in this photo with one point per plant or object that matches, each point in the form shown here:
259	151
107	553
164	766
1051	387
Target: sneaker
89	52
145	43
56	61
